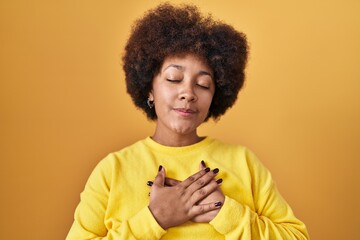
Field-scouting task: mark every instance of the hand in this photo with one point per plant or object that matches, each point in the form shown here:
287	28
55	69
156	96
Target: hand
173	206
215	196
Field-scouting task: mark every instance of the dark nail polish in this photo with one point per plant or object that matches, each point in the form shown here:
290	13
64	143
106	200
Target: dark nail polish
218	204
203	163
149	183
160	167
207	169
219	181
216	170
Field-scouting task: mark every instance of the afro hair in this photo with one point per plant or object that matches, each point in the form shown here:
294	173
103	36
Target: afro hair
169	30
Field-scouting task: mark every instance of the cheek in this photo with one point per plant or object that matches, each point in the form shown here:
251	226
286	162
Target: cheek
162	93
206	100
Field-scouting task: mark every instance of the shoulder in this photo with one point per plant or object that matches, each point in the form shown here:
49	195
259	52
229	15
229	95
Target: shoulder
230	149
237	153
113	160
132	148
219	144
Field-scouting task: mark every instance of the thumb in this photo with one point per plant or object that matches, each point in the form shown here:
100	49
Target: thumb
160	177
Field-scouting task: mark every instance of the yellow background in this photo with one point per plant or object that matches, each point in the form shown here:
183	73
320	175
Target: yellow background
64	107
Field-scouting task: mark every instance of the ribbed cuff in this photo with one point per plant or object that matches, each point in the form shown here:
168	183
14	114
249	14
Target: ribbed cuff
230	217
144	226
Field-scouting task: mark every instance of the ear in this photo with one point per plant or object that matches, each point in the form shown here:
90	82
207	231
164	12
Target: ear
151	96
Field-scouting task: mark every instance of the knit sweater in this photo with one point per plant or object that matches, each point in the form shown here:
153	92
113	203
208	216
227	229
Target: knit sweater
114	203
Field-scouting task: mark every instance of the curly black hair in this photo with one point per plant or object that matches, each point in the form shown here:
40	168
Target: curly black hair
169	30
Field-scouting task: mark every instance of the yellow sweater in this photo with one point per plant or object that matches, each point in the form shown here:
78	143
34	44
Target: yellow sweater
114	203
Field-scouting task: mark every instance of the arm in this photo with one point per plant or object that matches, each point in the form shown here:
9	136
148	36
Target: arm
272	217
93	220
278	222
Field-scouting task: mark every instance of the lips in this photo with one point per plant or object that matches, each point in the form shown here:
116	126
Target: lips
185	111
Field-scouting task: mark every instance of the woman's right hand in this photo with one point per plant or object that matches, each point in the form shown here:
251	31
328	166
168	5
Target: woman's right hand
172	206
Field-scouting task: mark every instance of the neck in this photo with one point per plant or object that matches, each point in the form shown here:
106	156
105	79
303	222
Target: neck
176	140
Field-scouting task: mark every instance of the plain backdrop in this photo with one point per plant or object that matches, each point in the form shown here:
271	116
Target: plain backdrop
64	105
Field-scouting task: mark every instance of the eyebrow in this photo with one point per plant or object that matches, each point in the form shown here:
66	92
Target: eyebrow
179	67
205	73
175	66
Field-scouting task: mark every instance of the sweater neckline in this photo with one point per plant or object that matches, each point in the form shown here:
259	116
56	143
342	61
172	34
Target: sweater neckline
177	150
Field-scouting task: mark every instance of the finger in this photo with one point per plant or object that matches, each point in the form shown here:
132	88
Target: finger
160	177
204	208
190	180
203	192
202	165
202	181
170	182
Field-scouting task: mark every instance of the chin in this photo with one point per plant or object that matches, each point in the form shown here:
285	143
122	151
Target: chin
184	130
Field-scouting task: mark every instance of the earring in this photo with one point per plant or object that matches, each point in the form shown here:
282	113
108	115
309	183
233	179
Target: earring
150	103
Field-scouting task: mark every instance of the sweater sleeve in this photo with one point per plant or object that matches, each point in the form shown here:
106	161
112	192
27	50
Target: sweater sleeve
272	217
90	221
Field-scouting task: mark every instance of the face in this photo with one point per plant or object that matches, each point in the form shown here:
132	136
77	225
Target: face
182	92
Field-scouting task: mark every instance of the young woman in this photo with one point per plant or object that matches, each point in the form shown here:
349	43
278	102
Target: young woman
182	69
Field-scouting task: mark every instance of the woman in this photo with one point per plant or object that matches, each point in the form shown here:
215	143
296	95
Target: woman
182	69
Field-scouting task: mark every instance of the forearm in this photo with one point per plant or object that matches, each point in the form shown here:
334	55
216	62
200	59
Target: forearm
237	221
97	215
140	226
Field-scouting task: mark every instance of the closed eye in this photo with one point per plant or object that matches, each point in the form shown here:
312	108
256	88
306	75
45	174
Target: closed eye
173	80
203	86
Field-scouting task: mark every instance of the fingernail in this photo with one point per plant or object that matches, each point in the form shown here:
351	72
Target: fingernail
149	183
218	204
207	169
203	163
216	170
160	167
217	181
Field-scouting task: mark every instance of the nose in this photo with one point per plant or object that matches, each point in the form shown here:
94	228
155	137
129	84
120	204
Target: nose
187	93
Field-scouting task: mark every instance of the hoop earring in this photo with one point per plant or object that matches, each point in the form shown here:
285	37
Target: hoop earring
150	103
